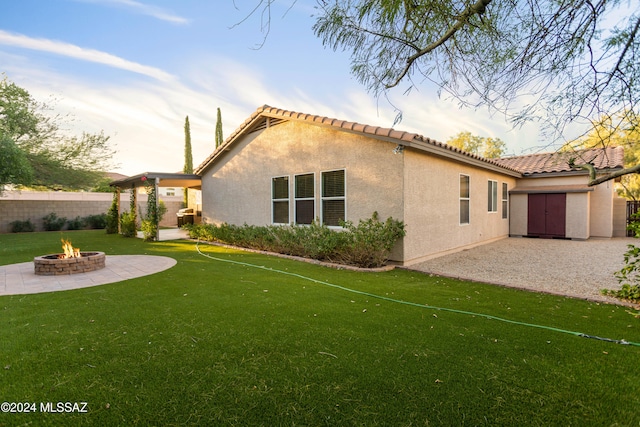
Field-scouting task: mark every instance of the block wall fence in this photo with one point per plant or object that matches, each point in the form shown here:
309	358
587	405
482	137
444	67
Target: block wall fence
34	205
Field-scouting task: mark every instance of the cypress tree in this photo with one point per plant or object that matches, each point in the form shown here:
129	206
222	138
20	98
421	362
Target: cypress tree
188	156
219	138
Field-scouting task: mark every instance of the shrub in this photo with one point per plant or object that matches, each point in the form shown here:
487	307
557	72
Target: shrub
97	222
111	217
53	223
155	213
366	245
75	224
22	226
128	224
629	275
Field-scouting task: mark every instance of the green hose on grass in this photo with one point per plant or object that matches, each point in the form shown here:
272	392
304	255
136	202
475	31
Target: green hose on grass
450	310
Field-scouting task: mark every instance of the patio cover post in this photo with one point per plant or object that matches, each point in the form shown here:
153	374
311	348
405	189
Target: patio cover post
118	207
134	203
156	181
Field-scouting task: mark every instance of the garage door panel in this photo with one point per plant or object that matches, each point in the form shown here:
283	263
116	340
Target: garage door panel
556	218
546	215
536	215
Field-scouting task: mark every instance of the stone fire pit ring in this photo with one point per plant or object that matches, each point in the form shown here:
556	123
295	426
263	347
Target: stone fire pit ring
53	265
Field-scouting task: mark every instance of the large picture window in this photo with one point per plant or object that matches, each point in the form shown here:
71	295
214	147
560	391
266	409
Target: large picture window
492	197
333	197
464	199
280	199
305	198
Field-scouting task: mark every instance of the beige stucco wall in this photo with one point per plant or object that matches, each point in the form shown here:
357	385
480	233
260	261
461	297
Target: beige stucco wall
432	207
602	209
518	212
619	217
578	213
237	189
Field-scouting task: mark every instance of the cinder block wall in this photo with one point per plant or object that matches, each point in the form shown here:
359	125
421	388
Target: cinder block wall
33	206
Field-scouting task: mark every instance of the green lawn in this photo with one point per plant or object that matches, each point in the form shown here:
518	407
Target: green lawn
215	343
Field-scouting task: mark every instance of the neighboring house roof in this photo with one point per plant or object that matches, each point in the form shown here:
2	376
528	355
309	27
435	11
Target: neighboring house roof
114	176
558	162
266	116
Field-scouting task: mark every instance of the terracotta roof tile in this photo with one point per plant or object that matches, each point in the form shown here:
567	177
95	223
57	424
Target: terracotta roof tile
535	163
608	158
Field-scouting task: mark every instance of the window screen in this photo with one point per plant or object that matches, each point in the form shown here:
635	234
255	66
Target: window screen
464	199
333	197
305	198
492	196
505	198
280	200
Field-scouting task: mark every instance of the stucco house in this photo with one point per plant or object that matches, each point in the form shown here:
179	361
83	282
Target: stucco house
282	167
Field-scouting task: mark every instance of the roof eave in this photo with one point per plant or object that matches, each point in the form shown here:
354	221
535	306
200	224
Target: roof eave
462	157
575	172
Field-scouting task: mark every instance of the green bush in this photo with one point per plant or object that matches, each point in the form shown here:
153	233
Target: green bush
96	222
128	224
111	219
629	275
22	226
75	224
366	245
155	212
53	223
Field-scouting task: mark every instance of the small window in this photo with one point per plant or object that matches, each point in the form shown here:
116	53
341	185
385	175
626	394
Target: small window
492	196
464	199
333	197
505	199
305	198
171	191
280	200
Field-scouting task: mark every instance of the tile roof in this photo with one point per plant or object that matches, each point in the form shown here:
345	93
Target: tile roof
610	158
408	139
602	159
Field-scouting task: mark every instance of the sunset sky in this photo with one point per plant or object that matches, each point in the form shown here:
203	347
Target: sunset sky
136	68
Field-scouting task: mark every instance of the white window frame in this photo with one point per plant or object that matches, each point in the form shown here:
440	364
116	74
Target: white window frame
492	196
323	198
505	200
287	199
301	199
467	199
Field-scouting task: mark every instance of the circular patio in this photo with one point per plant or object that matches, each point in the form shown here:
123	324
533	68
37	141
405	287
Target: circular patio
19	279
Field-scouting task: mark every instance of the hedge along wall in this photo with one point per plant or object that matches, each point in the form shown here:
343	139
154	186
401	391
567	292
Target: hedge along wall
34	205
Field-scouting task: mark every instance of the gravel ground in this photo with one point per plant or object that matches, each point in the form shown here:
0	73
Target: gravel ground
564	267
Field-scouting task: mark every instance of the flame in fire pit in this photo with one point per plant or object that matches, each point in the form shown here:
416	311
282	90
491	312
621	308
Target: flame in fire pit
69	250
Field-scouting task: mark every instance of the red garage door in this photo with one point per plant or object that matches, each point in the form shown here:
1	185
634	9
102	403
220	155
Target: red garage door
547	215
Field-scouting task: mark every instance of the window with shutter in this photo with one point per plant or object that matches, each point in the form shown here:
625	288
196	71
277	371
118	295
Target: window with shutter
304	198
280	200
333	197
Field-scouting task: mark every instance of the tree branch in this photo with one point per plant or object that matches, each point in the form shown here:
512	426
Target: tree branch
476	9
595	180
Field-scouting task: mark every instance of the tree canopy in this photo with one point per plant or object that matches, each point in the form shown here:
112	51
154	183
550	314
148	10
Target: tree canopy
555	62
615	132
490	148
35	150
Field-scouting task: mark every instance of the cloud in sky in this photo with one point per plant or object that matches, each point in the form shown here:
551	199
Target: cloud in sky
77	52
145	9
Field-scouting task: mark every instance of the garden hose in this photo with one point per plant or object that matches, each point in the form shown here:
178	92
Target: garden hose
450	310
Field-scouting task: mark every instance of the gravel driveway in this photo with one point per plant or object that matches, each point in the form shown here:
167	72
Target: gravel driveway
565	267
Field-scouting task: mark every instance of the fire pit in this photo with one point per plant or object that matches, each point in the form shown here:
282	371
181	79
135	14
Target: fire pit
72	261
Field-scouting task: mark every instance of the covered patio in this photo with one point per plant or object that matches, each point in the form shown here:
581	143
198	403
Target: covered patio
154	180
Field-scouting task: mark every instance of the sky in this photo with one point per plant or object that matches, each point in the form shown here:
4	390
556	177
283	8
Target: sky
136	68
